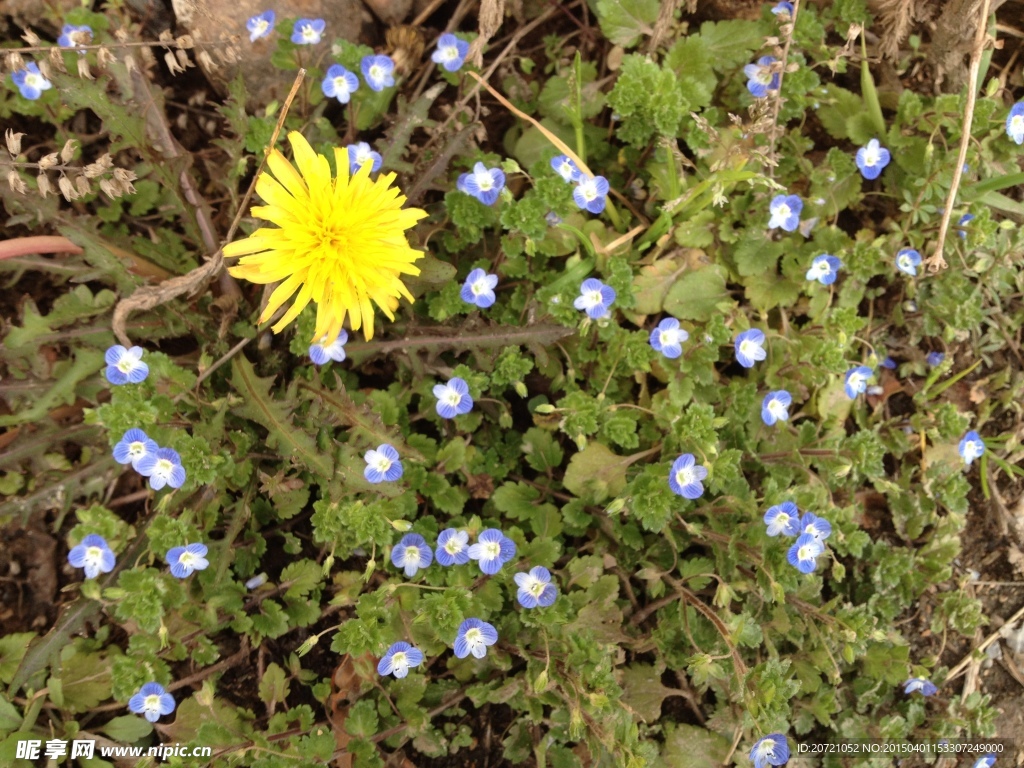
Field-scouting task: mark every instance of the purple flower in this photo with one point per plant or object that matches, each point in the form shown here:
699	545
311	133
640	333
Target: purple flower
94	555
125	366
595	298
308	31
133	447
185	560
907	261
451	52
783	10
378	71
802	555
591	193
72	35
30	81
453	398
398	659
971	447
411	554
785	212
934	358
382	465
926	687
750	347
685	477
452	547
668	338
565	167
776	407
871	159
492	550
824	269
760	77
473	637
483	183
815	526
152	701
479	289
162	468
772	749
339	83
1015	123
857	381
783	518
260	25
360	154
535	588
964	221
320	353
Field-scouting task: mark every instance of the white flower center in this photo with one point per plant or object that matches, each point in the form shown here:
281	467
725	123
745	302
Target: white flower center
383	463
341	86
1017	123
137	449
152	703
93	555
164	466
747	348
400	660
125	364
782	211
453	547
478	287
669	337
684	476
187	559
33	80
449	53
905	262
260	27
308	33
376	72
973	450
782	520
485	181
764	76
806	552
871	155
452	398
857	382
589	190
412	555
536	587
474	637
593	298
767	748
565	169
492	549
777	409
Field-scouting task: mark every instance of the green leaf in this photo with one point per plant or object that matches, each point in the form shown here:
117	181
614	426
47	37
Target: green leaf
303	576
273	685
86	364
261	407
838	107
596	473
12	651
690	746
624	21
543	453
698	294
643	692
771	290
127	729
732	42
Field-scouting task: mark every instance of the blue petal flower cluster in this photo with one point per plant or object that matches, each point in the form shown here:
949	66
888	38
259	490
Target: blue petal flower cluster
762	76
75	34
685	477
668	338
339	83
308	31
185	560
125	366
920	684
785	212
775	407
772	749
750	347
451	52
971	447
810	532
260	25
161	465
907	261
382	465
857	381
321	353
871	159
151	701
94	555
824	269
595	298
453	398
483	183
479	289
30	81
360	154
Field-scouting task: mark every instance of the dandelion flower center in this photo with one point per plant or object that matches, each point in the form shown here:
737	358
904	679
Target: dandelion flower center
339	241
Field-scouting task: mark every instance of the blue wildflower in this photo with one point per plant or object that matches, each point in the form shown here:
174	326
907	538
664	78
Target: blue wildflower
378	71
473	637
772	749
971	447
483	183
966	219
411	554
479	289
1015	123
152	701
857	381
685	477
783	10
360	154
750	347
382	465
308	31
552	218
934	358
453	398
824	269
256	581
804	552
907	261
398	659
783	518
595	298
30	81
451	52
133	447
985	761
761	78
785	212
775	407
185	560
73	34
452	547
94	555
339	83
162	468
591	193
535	588
668	338
125	366
565	167
872	158
260	25
320	353
926	687
815	526
888	363
492	550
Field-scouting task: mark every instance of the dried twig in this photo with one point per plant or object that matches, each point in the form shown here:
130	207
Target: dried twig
935	262
981	647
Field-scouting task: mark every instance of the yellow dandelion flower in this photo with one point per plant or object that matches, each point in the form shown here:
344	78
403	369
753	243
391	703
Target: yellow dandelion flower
339	242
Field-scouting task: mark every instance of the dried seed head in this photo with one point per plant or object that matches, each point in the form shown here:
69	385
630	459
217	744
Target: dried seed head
13	142
57	60
31	37
166	36
44	185
82	185
183	59
66	189
104	56
111	188
186	42
130	63
98	168
125	178
148	58
16	183
172	63
48	161
44	68
206	61
14	62
121	34
68	152
83	68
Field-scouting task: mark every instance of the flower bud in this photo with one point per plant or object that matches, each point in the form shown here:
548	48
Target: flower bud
520	388
256	581
402	526
544	408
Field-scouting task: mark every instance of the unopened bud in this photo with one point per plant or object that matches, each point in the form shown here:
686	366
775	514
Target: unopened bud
402	526
371	566
615	507
13	142
544	408
256	581
581	441
520	388
308	645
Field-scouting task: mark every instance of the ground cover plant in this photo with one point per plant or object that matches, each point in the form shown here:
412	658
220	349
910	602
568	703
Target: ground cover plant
614	383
